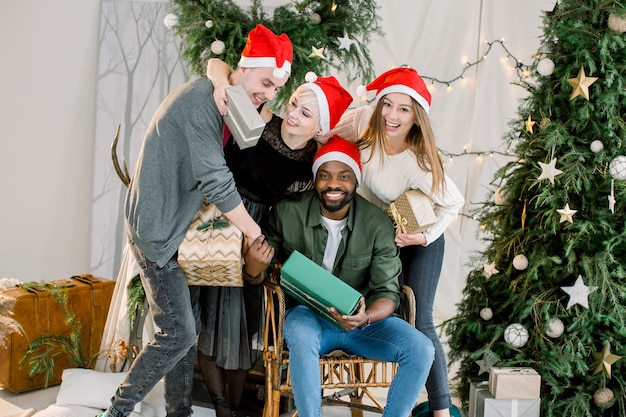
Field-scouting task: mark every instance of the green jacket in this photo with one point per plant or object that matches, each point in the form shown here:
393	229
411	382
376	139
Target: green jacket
367	259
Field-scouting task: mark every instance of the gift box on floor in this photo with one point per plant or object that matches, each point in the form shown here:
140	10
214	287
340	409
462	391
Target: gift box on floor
243	120
519	383
412	212
317	288
476	403
483	404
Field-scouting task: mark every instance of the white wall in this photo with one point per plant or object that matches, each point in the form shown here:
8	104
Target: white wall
47	87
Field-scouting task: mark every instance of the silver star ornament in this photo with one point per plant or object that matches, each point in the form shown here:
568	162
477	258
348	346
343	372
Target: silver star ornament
578	293
549	171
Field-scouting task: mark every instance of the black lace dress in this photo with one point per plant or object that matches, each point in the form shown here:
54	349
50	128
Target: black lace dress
232	318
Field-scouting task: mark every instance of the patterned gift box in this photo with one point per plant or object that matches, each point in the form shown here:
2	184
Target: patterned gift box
514	383
243	120
412	212
210	253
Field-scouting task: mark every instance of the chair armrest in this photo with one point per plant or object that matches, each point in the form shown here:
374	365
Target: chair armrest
408	305
274	320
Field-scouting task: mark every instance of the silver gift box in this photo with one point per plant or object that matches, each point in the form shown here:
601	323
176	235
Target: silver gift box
243	120
482	404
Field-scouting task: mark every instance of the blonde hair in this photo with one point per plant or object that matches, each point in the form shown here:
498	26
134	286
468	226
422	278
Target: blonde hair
307	98
420	140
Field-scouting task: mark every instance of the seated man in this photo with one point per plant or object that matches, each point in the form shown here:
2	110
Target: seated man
354	240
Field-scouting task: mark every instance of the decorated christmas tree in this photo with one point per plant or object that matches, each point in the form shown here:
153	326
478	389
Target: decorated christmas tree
549	289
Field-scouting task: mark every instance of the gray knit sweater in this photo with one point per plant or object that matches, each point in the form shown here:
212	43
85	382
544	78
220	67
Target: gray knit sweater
180	164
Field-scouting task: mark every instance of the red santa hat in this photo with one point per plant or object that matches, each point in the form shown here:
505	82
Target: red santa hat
332	98
400	80
341	150
266	49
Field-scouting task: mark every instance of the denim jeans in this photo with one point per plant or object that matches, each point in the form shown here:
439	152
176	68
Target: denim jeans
172	352
308	336
421	268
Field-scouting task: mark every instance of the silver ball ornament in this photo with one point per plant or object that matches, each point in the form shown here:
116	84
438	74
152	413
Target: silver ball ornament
617	167
516	335
486	314
208	24
217	47
603	397
170	20
555	328
520	262
596	146
545	67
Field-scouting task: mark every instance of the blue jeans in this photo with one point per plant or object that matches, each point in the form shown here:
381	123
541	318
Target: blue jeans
309	336
172	352
421	268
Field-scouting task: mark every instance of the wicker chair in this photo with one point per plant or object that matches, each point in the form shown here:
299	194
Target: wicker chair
346	379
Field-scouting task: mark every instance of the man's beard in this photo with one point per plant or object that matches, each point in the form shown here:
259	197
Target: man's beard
335	205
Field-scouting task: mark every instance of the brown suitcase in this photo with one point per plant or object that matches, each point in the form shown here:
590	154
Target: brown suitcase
40	314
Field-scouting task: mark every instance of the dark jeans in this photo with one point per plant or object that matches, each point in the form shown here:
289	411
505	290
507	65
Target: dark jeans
421	268
172	352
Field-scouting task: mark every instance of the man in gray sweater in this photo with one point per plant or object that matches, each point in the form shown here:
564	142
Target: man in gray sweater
181	163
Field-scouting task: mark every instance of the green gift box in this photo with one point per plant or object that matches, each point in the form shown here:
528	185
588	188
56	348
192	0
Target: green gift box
316	288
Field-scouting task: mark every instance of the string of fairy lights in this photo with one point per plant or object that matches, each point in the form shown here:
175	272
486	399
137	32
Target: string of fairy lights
522	71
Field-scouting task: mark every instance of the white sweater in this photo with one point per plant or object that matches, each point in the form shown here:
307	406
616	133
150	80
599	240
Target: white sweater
383	183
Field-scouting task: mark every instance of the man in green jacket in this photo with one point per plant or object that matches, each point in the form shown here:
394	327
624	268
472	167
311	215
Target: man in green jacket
354	240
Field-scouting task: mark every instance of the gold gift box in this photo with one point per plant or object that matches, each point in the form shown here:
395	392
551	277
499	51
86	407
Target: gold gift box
243	120
412	212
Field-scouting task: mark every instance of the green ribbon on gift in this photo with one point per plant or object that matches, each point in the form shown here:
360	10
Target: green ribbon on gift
213	224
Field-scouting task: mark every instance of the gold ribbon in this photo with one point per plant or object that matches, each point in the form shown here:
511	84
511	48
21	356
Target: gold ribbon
399	222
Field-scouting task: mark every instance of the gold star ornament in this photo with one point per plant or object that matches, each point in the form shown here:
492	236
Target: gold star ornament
581	84
317	53
529	124
605	359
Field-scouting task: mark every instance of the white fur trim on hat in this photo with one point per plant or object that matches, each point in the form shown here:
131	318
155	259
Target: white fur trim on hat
340	157
266	62
400	88
322	102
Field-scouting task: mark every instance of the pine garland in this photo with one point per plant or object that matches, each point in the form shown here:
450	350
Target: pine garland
308	24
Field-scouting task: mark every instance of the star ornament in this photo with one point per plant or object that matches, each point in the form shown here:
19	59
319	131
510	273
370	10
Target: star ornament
489	270
579	293
345	42
317	52
529	124
581	84
605	359
567	214
549	171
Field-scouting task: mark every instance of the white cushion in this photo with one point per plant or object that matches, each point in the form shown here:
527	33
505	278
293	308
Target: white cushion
89	388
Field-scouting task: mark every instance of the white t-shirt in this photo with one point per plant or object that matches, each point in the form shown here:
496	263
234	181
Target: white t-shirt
334	228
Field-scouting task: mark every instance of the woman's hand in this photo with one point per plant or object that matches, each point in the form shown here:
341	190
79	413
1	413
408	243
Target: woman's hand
219	95
409	239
